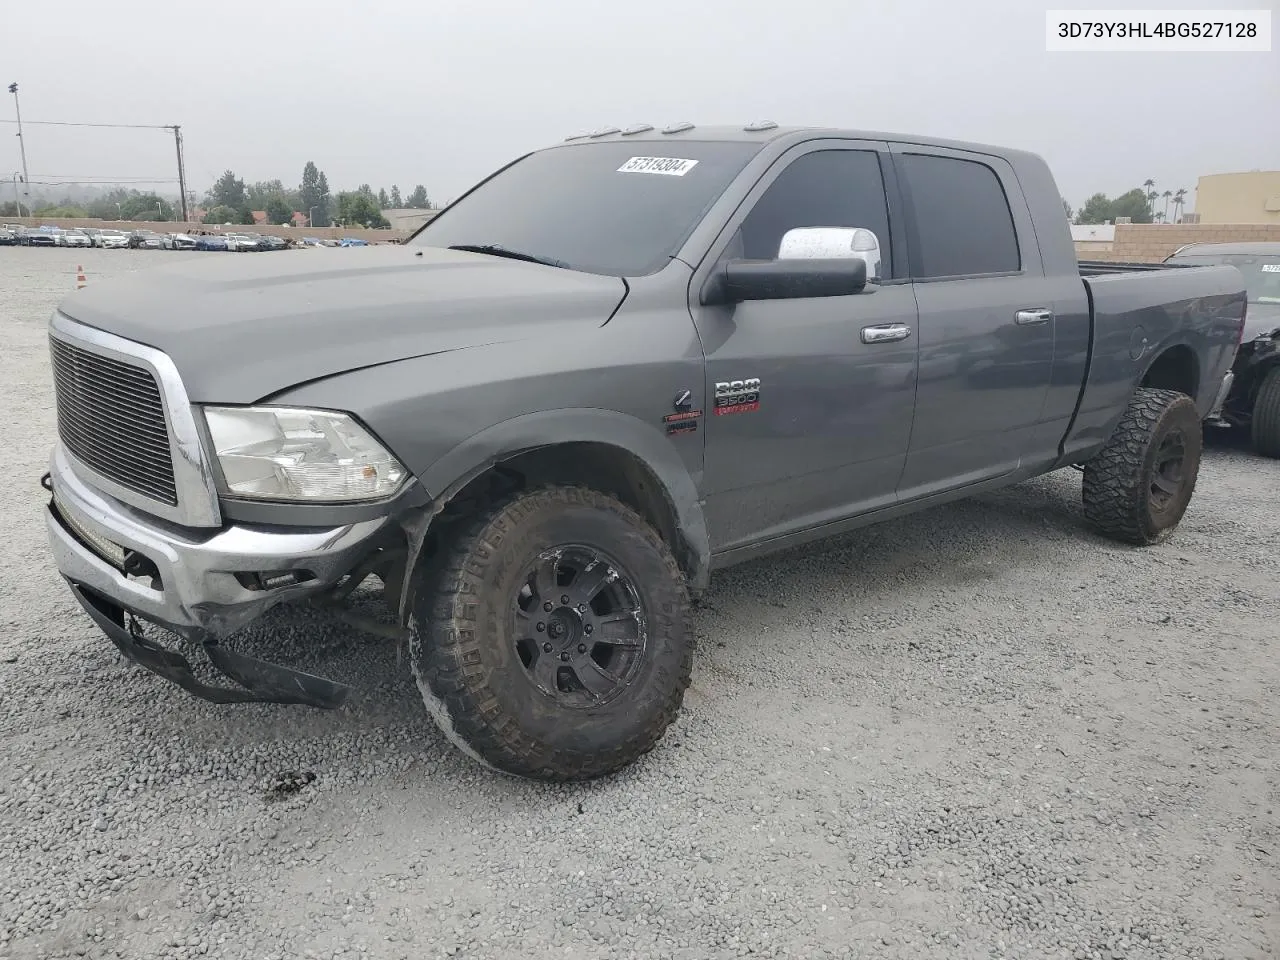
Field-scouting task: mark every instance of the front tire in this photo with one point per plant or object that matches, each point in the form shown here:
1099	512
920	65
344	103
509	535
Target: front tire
1266	415
1138	486
553	641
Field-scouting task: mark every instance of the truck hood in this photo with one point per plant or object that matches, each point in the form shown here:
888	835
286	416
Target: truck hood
242	328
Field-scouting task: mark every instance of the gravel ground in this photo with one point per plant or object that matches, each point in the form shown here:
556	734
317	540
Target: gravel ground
977	732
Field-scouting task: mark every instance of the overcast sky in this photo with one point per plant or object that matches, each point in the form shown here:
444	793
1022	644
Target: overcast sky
441	92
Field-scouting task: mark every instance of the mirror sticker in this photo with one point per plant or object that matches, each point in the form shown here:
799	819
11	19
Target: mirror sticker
667	166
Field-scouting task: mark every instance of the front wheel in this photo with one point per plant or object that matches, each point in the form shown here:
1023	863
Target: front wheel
555	641
1138	486
1266	415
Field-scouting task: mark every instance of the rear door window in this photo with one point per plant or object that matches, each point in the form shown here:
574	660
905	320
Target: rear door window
959	223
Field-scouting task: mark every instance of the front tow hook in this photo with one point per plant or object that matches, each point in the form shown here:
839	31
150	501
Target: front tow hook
47	481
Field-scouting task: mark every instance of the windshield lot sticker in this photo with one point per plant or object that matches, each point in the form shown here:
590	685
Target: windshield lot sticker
1271	268
667	166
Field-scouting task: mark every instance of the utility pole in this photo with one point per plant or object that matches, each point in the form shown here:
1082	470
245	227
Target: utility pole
182	171
17	200
22	144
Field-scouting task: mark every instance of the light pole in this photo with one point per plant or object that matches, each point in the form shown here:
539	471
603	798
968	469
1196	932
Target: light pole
22	143
16	198
311	215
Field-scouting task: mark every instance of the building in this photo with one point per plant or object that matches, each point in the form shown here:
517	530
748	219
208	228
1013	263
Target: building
408	218
1252	197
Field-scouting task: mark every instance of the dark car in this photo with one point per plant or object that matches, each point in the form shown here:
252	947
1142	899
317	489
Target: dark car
1253	400
146	240
267	242
211	241
38	238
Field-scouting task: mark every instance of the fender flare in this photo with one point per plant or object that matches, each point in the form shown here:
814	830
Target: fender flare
449	474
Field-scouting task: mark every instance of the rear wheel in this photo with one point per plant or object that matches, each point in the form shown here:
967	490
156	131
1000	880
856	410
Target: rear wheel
555	643
1137	487
1266	415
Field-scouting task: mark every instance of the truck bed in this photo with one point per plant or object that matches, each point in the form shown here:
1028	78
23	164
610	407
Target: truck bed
1094	268
1158	325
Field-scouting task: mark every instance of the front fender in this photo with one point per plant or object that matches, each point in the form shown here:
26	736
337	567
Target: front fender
460	465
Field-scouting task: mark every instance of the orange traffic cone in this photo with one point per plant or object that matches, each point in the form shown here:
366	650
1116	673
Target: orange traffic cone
80	280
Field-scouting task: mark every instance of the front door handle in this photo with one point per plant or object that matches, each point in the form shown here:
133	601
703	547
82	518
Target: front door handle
1027	318
885	333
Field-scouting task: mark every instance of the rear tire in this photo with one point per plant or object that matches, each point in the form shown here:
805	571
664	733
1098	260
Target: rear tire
1266	415
1138	486
555	641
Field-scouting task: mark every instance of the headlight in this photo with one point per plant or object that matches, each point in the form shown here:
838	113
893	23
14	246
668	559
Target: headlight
282	453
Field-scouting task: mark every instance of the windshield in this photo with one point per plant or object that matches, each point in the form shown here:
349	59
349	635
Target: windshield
1261	271
615	208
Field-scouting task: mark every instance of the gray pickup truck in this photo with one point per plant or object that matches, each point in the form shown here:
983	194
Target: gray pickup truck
612	367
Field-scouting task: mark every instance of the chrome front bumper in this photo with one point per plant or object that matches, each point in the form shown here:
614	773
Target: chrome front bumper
190	586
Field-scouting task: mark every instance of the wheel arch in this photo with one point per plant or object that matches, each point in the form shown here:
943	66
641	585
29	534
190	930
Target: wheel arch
604	449
1174	367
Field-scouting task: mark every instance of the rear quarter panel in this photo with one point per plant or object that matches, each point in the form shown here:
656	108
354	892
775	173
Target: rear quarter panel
1138	317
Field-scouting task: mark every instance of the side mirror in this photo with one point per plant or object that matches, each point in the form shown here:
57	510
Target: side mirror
739	280
832	243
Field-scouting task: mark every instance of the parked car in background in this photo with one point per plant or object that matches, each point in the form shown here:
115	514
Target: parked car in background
8	238
93	233
178	241
1253	402
40	237
146	240
113	239
75	238
211	241
240	243
268	242
352	242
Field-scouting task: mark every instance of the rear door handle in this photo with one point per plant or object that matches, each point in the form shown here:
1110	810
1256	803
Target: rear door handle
1027	318
885	333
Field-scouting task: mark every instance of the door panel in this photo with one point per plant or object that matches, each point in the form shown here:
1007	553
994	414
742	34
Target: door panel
987	326
830	435
830	432
983	380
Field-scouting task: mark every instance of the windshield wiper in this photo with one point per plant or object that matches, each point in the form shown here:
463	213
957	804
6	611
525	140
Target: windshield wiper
497	250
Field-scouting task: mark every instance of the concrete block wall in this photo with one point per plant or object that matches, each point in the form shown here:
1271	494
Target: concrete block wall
1152	242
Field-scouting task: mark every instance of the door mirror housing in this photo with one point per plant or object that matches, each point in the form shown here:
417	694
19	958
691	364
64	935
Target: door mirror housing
832	243
739	280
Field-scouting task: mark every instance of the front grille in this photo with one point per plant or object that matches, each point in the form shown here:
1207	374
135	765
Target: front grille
111	417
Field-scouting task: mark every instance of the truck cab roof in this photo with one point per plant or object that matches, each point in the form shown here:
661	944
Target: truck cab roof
767	132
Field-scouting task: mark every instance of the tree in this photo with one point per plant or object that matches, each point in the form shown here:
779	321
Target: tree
418	199
396	201
1135	205
222	214
1097	209
278	211
246	216
384	201
1168	195
1066	207
229	191
360	207
64	211
313	195
146	206
1150	194
1179	200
